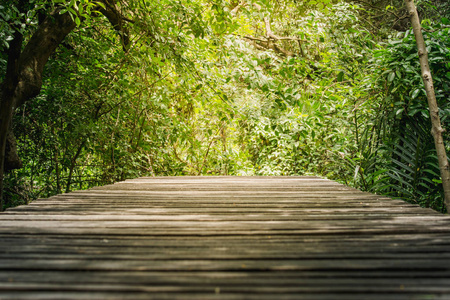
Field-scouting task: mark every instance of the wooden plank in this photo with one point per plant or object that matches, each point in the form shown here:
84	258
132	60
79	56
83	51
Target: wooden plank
212	294
224	238
248	265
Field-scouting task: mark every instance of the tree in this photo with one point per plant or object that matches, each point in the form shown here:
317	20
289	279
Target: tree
38	28
190	87
437	129
23	78
25	63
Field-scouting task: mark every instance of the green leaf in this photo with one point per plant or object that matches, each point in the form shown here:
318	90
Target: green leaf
414	55
414	111
391	77
415	94
340	76
425	114
398	177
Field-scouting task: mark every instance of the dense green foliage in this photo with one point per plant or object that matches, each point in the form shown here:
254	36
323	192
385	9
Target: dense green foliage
201	91
411	164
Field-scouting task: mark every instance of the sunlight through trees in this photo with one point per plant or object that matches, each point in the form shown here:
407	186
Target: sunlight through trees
94	92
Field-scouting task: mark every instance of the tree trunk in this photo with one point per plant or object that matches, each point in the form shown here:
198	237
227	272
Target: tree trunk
23	79
7	94
437	129
73	162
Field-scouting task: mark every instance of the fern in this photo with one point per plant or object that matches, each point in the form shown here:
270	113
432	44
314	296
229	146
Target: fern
413	170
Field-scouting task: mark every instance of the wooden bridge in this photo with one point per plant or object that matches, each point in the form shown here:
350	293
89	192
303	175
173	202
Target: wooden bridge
224	238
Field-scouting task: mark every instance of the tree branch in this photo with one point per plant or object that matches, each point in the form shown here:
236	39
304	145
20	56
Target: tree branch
116	19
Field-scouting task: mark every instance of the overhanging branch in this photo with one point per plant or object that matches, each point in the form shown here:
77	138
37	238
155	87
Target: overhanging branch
116	18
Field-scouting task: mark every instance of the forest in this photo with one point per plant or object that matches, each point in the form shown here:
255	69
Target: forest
114	89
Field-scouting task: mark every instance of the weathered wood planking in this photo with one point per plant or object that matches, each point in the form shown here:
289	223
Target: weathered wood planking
224	238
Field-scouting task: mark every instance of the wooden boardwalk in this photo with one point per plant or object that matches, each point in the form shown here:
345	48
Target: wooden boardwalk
224	238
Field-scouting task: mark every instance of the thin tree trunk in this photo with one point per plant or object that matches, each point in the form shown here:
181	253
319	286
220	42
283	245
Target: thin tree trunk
57	171
72	166
437	129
